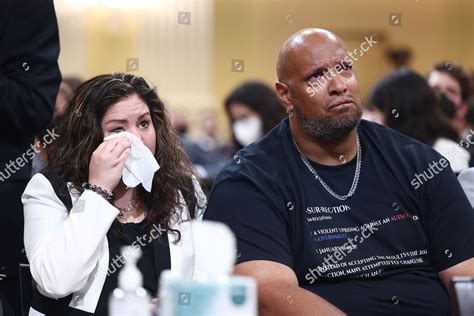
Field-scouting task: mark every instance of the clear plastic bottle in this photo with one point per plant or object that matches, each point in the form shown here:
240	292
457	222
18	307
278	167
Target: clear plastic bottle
130	298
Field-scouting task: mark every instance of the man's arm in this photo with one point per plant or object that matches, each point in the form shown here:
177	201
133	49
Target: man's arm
264	248
279	293
29	72
465	268
449	227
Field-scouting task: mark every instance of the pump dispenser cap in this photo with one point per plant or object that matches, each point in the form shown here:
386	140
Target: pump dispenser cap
130	277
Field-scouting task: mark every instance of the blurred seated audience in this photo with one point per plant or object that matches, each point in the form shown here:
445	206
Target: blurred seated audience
408	105
206	164
253	109
208	140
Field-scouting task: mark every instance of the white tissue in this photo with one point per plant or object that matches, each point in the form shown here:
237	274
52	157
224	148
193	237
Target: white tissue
140	166
214	250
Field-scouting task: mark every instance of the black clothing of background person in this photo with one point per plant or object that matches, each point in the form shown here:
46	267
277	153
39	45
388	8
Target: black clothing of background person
29	82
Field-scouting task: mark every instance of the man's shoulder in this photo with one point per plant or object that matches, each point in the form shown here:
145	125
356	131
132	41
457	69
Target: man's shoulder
257	172
384	132
262	159
394	143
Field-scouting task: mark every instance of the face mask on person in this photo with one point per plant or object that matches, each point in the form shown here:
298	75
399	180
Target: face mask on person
248	130
447	106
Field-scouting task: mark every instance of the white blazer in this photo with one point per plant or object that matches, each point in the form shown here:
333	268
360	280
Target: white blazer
69	252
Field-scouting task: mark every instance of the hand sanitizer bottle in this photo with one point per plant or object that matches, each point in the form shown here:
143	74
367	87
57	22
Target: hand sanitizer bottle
130	299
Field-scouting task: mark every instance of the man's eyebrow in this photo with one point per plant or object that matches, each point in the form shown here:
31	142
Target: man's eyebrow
316	69
327	65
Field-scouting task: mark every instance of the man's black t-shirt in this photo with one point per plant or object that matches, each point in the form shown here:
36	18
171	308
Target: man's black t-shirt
379	251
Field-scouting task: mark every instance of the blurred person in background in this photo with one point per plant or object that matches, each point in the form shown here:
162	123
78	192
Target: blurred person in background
29	81
208	140
400	57
40	160
470	122
64	95
206	164
453	81
253	110
73	82
216	153
370	113
470	115
447	107
466	178
408	105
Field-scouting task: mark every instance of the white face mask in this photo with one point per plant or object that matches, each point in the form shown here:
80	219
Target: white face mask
248	130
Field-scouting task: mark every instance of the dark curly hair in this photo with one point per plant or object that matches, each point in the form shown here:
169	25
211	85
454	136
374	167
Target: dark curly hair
81	134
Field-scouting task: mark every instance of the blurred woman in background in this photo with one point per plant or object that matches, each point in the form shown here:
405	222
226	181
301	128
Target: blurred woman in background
408	104
253	110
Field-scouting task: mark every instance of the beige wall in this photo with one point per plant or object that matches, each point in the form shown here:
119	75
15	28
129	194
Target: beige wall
255	30
176	57
191	64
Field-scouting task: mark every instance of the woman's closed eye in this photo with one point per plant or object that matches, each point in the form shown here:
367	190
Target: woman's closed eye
117	130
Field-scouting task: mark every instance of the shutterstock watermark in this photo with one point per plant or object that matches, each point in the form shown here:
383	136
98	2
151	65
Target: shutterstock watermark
13	166
119	260
436	167
348	61
331	260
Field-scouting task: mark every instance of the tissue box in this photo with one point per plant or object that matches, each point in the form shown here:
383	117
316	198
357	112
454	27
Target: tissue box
231	296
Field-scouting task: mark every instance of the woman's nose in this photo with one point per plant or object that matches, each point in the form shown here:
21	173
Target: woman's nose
136	132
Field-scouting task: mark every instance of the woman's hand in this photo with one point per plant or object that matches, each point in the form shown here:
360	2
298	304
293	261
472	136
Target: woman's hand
107	162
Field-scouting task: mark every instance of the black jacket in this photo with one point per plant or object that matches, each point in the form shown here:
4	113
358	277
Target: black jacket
29	77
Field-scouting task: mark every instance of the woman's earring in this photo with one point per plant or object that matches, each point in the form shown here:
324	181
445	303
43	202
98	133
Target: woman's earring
290	112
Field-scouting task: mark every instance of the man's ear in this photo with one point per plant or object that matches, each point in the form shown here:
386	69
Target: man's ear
283	94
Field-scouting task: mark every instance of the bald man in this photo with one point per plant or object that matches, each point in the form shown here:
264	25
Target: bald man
326	210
